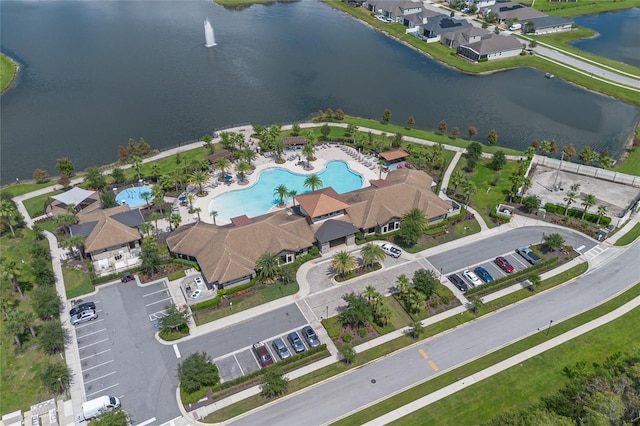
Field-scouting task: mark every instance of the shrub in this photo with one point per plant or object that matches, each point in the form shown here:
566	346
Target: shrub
196	372
347	338
362	332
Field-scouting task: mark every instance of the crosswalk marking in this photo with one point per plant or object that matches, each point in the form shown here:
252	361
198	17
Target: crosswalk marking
595	251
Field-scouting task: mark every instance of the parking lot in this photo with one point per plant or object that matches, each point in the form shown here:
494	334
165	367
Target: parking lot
517	261
245	361
118	351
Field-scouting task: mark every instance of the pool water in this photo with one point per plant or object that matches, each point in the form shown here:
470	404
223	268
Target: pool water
259	198
132	197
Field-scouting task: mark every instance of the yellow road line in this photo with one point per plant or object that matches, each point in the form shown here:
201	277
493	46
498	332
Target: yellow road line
433	365
423	353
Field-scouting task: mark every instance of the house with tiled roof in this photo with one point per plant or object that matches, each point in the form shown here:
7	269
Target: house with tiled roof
111	237
323	218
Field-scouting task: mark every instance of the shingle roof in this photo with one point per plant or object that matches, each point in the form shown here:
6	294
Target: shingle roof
334	229
549	21
295	140
394	154
494	44
321	202
223	153
108	228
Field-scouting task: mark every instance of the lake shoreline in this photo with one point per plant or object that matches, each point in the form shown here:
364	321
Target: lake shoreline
16	69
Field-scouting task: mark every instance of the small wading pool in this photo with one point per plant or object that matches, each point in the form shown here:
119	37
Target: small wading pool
259	198
132	197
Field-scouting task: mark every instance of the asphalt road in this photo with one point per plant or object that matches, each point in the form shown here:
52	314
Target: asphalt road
490	248
330	400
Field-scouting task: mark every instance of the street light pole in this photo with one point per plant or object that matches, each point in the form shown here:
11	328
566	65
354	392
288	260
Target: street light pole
558	171
549	328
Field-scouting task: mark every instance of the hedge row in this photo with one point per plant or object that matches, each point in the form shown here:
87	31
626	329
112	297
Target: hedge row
513	278
211	303
576	213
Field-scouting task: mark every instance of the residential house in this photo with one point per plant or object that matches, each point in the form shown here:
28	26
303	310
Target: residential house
478	3
414	21
547	25
509	12
442	24
394	10
491	46
227	254
463	37
111	238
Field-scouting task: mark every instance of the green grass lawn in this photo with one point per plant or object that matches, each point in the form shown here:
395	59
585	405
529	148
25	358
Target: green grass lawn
264	295
8	69
487	196
630	236
583	7
631	164
522	385
460	415
25	188
35	206
19	368
460	230
398	320
76	282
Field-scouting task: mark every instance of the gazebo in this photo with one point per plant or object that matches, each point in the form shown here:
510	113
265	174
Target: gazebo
397	155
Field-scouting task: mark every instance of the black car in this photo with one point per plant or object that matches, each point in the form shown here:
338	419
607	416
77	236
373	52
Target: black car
458	282
81	308
128	276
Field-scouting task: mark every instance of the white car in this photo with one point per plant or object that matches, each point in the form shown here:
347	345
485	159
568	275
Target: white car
381	18
472	277
196	294
391	250
84	316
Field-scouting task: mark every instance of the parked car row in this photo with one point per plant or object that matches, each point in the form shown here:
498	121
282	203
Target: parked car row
479	275
296	345
83	313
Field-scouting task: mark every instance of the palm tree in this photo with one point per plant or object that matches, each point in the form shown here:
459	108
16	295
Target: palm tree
381	165
242	168
569	199
66	220
308	151
281	191
404	285
174	220
415	300
371	253
197	211
155	217
415	215
8	212
223	165
457	178
343	262
516	181
313	182
526	185
279	147
292	194
136	162
602	210
190	198
383	313
213	214
371	294
155	171
198	177
147	196
146	228
468	190
249	155
75	241
589	200
10	271
268	267
158	195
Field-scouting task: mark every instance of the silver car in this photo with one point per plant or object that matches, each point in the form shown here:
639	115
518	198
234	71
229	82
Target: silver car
281	349
84	316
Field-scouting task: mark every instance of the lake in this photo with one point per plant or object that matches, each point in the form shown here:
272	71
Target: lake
618	35
98	73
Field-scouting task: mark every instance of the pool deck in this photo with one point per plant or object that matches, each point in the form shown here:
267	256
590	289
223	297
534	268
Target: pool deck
323	156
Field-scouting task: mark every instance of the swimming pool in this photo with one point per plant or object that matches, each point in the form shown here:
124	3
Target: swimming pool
132	197
259	198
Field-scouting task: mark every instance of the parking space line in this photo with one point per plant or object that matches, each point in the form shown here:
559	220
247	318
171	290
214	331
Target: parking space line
254	357
100	378
89	334
91	344
271	353
159	301
521	262
239	366
433	365
177	351
81	326
423	353
146	422
96	366
91	356
155	292
102	390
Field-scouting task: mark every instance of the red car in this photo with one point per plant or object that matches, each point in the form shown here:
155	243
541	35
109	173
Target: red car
504	264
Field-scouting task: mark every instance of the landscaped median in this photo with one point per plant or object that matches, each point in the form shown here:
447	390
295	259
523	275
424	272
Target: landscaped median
363	357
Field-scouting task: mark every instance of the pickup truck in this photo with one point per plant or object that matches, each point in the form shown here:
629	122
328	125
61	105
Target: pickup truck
529	255
264	357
